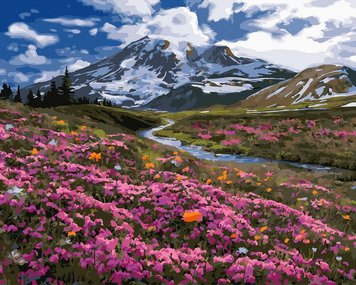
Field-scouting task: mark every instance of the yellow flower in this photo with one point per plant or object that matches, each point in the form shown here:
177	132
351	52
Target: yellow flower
315	192
34	151
60	122
83	128
257	237
111	147
194	216
286	240
151	229
347	248
269	189
72	234
95	156
149	165
346	217
263	229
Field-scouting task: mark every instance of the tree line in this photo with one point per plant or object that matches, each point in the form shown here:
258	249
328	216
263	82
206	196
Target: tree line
55	96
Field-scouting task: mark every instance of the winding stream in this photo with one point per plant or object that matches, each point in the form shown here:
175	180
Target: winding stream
199	153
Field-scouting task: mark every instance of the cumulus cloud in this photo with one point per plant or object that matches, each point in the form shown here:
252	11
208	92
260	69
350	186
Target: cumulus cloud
48	75
30	57
2	71
296	34
19	77
177	25
127	7
78	64
20	30
93	32
73	22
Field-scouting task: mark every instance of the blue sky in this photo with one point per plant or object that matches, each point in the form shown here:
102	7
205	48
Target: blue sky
39	38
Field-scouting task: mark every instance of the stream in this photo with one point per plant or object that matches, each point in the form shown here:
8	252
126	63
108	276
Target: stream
200	153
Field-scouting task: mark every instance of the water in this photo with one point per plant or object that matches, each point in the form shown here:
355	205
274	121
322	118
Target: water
199	153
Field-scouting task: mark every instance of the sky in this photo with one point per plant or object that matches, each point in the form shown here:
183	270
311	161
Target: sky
39	38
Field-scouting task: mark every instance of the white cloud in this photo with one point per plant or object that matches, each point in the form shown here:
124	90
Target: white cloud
72	22
2	71
73	31
93	32
23	31
30	57
48	75
177	25
127	7
78	64
323	41
19	77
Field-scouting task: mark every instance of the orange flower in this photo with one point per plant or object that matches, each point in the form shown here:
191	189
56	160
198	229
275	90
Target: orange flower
347	248
72	234
248	181
145	157
149	165
111	147
193	216
346	217
95	156
233	236
186	169
306	241
228	182
179	177
209	181
73	133
257	237
263	229
157	176
286	240
269	189
83	128
315	192
178	159
258	183
175	153
34	151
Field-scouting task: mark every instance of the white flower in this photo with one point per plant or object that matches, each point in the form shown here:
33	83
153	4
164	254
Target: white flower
242	250
53	142
303	199
314	249
176	163
338	258
9	127
117	167
15	191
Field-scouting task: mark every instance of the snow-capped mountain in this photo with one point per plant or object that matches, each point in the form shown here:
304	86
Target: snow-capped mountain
311	85
149	73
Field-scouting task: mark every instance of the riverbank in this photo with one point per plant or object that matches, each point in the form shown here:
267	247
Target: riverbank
325	137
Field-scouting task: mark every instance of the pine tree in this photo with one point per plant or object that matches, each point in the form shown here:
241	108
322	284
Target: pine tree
6	92
51	98
66	90
17	97
30	99
38	99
